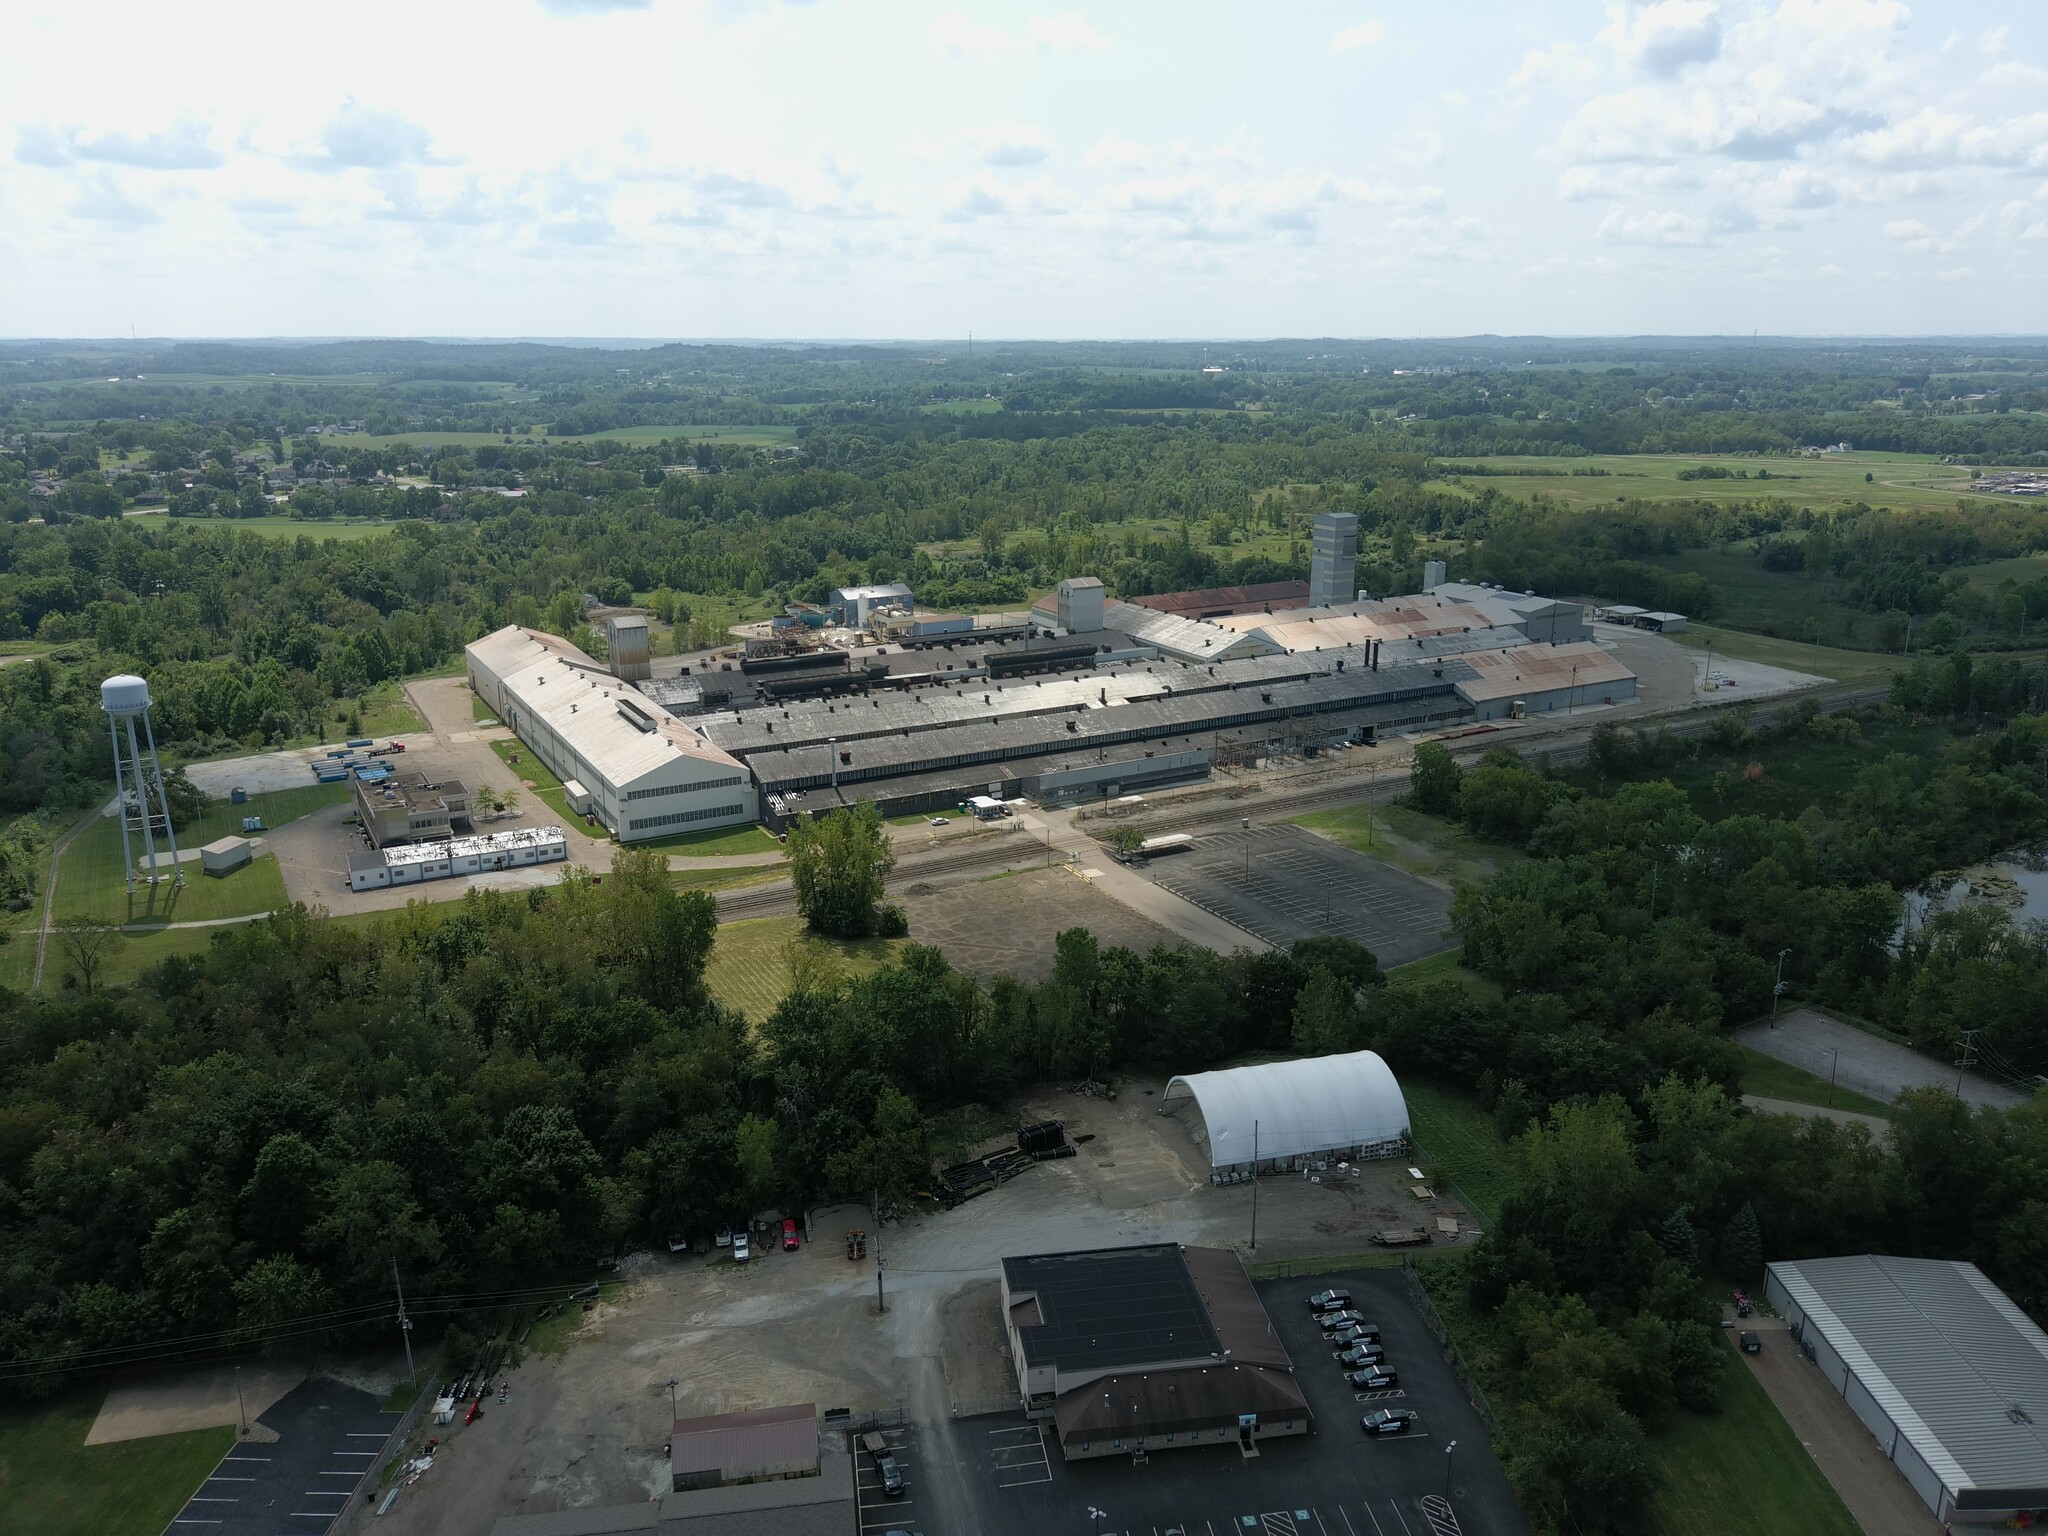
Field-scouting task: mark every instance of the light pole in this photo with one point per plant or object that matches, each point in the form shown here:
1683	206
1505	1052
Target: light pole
1575	688
241	1407
1245	825
1834	1061
671	1399
1097	1516
1448	1448
1778	990
1255	1186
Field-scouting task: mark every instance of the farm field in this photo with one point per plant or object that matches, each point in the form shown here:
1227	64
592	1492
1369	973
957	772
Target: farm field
744	436
750	964
54	1484
1909	481
346	529
1742	1471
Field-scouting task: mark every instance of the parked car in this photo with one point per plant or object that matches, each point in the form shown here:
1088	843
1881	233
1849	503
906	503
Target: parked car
886	1466
1389	1421
942	821
1361	1354
1374	1378
1329	1301
740	1251
1344	1338
789	1234
724	1238
1343	1318
1751	1344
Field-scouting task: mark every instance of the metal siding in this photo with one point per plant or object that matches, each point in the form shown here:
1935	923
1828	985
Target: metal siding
1874	1418
1920	1475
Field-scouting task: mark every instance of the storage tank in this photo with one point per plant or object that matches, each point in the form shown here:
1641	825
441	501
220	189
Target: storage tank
125	694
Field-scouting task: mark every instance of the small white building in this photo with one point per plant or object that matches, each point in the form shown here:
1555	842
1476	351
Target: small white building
1080	605
854	606
413	863
226	855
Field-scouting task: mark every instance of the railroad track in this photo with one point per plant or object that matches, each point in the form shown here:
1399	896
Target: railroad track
772	899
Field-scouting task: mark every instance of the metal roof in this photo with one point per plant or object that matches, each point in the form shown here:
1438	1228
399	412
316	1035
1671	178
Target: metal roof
1960	1369
1112	1308
1296	1108
744	1444
1541	668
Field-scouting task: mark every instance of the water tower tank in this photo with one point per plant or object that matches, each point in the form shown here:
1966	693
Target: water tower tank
124	695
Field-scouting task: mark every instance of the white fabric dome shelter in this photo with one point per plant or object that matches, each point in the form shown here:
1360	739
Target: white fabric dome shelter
1349	1103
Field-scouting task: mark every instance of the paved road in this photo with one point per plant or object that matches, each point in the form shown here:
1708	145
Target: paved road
1877	1125
1872	1067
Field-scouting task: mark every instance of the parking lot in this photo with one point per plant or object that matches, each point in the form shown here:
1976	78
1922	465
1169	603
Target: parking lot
1333	1482
879	1512
328	1437
1282	883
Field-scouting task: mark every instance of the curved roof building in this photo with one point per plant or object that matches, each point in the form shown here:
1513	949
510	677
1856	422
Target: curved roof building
1295	1108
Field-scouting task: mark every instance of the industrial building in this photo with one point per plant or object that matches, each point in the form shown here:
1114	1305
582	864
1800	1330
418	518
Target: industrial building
854	606
1217	602
776	1470
1277	1115
1145	1348
410	808
621	757
1939	1364
412	863
1333	559
626	647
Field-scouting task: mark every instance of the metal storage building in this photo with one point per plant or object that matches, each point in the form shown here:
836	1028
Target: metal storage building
1295	1110
648	774
1940	1366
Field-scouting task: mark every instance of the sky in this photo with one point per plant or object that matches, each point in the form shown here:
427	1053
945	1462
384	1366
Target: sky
875	169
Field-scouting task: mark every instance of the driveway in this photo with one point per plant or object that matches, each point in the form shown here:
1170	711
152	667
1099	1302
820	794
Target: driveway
1877	1125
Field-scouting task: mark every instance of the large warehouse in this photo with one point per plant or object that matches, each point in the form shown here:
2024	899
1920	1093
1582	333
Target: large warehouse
620	757
1940	1366
1279	1114
1137	1349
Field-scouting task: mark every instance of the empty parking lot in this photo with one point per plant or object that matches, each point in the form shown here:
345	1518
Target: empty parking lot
1282	883
328	1437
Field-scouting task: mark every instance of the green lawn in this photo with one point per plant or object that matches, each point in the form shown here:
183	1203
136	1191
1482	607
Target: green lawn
719	842
1448	966
346	528
385	711
92	883
1742	1472
53	1484
1823	661
1772	1079
1426	846
750	965
1900	480
531	770
1456	1139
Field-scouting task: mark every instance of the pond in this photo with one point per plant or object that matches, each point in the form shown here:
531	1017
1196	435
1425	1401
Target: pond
2018	882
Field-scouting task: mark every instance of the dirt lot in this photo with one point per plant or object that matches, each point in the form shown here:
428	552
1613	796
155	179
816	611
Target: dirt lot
1006	926
199	1398
1880	1498
586	1426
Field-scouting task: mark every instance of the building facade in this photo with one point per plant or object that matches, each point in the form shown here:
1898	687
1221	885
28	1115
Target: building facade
1333	560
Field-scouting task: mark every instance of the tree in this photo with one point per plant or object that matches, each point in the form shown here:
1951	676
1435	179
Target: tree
754	1149
1679	1240
1742	1245
90	947
1324	1018
839	864
1125	841
1433	779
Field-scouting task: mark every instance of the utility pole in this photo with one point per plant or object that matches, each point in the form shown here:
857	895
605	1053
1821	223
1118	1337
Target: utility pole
1966	1058
881	1301
1778	989
1255	1186
404	1326
1452	1446
671	1399
1834	1062
241	1407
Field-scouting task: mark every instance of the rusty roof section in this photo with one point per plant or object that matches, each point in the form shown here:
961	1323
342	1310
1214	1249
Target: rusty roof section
1209	602
1540	669
733	1444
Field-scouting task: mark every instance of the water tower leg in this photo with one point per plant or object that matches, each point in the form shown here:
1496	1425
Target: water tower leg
164	800
121	802
142	802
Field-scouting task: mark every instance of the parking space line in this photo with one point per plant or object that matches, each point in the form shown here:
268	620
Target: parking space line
1399	1516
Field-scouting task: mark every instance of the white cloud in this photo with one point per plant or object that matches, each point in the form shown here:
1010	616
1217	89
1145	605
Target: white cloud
103	200
370	138
1357	39
1066	32
1419	147
1668	227
1665	37
1008	145
1112	153
184	146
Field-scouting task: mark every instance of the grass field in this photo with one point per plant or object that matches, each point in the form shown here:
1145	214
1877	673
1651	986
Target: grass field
719	842
2021	569
1447	966
1742	1472
1422	845
92	882
1458	1140
53	1484
1902	480
529	767
1772	1079
385	712
1823	661
347	529
749	967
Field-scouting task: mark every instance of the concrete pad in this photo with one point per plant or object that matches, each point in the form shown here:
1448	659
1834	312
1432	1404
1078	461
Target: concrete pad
202	1397
1862	1062
1745	679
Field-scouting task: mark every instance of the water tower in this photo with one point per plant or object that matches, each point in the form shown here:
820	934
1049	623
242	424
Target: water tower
138	784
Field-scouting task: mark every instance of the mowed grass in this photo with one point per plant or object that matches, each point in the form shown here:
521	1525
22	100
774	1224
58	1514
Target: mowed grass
1843	666
1770	1078
750	964
53	1484
717	843
1423	845
1741	1472
1903	480
1447	966
345	529
1457	1139
530	769
92	880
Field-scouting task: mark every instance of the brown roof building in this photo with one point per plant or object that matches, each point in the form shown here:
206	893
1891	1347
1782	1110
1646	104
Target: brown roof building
1215	602
1145	1348
755	1446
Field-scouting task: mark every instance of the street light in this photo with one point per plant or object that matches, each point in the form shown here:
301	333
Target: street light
1778	990
1097	1516
1450	1447
671	1399
1575	687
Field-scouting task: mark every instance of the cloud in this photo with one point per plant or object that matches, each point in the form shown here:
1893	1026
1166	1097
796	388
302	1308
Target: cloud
1114	154
1419	147
370	138
1669	227
104	201
1007	145
1359	38
592	7
1067	32
741	190
1662	39
184	146
983	196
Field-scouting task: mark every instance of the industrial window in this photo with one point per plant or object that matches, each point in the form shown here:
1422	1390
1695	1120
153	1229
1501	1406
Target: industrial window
686	789
678	818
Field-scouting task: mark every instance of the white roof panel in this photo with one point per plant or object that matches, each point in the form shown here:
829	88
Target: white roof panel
1316	1104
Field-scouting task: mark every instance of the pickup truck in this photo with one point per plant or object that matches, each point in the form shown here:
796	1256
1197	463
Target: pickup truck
885	1465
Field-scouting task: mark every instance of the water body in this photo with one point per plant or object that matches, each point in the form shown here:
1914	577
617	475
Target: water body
2018	882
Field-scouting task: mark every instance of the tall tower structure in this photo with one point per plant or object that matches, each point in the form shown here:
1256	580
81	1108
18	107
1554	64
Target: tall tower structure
138	781
1333	560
